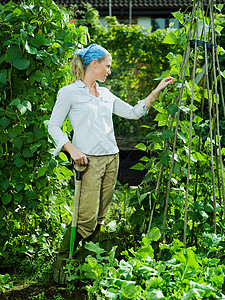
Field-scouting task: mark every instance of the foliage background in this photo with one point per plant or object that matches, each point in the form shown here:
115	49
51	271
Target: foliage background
38	40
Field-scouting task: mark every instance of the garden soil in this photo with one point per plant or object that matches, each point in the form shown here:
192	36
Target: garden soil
47	291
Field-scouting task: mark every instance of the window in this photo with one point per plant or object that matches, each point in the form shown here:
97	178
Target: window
157	23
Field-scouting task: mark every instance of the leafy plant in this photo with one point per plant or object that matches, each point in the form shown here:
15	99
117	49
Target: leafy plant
151	197
5	282
184	275
37	41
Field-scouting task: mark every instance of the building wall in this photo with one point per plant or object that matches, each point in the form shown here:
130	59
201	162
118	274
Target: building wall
146	22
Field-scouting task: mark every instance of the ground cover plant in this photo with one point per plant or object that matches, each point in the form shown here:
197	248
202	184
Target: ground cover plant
183	275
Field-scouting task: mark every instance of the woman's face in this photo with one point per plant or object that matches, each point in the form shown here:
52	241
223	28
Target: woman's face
103	69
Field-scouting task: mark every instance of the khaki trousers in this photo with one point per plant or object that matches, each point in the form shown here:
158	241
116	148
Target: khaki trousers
97	188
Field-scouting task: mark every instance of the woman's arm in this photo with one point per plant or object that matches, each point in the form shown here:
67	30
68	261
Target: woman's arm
127	111
154	94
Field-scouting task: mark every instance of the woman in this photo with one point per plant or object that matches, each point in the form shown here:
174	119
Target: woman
90	108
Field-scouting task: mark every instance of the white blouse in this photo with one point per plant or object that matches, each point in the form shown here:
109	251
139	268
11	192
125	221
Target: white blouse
90	117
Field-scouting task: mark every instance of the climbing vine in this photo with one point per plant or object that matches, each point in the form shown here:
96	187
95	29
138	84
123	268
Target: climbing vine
37	41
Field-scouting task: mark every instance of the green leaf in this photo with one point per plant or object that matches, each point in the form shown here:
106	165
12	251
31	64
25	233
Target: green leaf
4	138
178	15
33	204
145	159
209	208
29	136
111	226
138	166
219	28
6	199
41	54
129	290
4	122
18	197
198	156
5	184
15	102
176	169
172	108
17	12
27	153
170	56
30	49
34	147
19	187
154	234
155	294
164	158
204	215
65	171
22	108
52	163
170	38
41	171
94	248
154	136
47	61
3	76
197	119
142	197
141	146
18	142
27	104
31	195
48	3
145	251
167	134
56	45
19	162
111	294
198	205
39	40
37	76
13	53
182	137
55	58
21	64
63	156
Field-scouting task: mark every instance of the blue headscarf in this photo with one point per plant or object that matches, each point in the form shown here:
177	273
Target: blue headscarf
91	52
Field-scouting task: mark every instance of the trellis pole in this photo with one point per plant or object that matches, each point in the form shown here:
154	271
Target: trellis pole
176	129
218	153
217	106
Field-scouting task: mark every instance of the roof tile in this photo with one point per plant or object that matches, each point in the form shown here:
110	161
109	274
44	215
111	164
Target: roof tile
154	4
135	3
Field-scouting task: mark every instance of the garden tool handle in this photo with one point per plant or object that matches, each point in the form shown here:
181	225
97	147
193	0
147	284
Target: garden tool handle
80	170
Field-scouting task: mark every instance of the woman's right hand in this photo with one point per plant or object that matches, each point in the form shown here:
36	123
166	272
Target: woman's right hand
77	156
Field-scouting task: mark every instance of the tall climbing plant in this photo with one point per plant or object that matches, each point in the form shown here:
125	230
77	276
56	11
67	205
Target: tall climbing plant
37	41
184	185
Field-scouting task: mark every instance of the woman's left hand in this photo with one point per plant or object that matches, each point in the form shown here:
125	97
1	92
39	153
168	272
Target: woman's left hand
164	83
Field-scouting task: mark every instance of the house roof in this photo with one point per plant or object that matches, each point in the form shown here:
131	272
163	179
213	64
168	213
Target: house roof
139	7
163	4
135	3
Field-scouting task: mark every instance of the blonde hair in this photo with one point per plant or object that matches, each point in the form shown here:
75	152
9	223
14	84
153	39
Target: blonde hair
78	70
